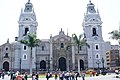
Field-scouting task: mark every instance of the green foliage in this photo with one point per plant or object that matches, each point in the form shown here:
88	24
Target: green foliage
30	41
115	34
80	41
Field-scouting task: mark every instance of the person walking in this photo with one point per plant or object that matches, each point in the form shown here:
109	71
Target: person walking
25	77
0	74
19	77
61	75
73	75
48	76
76	75
56	76
33	76
37	76
83	76
13	76
3	74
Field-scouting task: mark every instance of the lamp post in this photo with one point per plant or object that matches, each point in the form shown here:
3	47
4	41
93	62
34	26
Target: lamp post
102	64
20	65
68	57
98	62
117	60
20	60
36	67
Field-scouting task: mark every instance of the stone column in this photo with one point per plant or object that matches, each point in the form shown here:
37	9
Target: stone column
73	55
51	54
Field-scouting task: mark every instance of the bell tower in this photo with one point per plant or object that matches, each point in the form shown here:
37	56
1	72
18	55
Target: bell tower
27	21
27	24
92	26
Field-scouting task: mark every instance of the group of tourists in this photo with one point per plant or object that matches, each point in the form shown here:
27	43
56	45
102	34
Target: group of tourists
66	75
14	76
24	76
18	76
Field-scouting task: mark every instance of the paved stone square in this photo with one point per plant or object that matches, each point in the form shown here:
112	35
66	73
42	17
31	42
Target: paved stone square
106	77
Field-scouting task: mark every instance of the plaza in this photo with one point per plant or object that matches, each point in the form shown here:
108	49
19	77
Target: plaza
60	52
101	77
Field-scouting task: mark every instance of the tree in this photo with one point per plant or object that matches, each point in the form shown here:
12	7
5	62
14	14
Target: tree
115	35
31	41
80	41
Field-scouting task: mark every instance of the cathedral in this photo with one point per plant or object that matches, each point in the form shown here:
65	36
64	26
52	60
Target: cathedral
58	52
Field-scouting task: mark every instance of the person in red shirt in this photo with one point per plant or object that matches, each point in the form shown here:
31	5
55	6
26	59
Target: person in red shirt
19	77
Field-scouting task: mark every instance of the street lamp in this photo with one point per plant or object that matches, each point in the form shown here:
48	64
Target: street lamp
102	64
98	62
68	57
20	65
36	67
20	60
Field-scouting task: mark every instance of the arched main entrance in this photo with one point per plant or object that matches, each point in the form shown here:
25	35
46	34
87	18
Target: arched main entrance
6	66
62	64
42	65
82	65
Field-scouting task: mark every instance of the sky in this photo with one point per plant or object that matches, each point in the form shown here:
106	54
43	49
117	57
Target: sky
52	15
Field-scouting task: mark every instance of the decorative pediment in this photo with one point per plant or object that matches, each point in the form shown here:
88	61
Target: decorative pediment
58	38
61	39
94	20
26	19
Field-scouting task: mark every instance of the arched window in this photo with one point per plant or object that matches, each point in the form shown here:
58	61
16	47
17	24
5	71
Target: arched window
80	48
62	45
24	57
42	48
43	65
97	56
6	55
6	48
26	31
97	47
25	47
94	32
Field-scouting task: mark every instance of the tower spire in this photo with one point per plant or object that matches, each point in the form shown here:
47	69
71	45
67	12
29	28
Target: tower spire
8	40
28	1
67	31
119	26
90	1
97	11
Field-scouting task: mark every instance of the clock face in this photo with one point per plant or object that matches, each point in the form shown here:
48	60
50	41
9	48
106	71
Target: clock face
91	10
95	38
